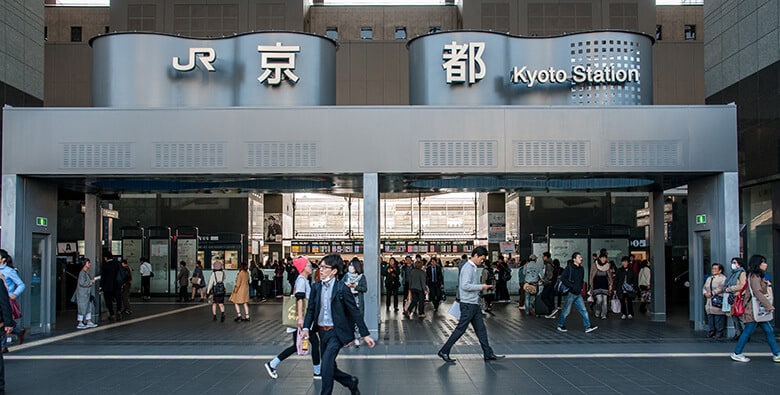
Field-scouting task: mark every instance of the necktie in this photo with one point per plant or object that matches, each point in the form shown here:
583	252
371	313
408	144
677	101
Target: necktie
433	274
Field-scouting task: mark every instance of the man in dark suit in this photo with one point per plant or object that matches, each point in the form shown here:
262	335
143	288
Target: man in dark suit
332	315
434	277
110	286
8	326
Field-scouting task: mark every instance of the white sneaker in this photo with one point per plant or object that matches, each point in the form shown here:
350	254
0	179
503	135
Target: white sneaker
776	358
271	371
623	317
742	358
591	329
630	317
81	326
91	325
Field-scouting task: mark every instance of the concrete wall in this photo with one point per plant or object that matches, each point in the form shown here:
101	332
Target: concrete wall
21	45
678	65
741	39
383	20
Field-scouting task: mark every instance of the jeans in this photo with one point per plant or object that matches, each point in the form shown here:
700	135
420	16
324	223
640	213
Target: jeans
576	300
600	307
530	300
748	331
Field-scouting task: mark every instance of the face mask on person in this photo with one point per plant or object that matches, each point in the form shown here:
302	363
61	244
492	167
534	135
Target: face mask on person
734	266
351	269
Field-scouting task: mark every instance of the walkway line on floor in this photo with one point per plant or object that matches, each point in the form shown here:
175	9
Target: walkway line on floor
372	357
80	332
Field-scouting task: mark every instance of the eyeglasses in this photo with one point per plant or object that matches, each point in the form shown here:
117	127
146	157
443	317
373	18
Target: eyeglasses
323	267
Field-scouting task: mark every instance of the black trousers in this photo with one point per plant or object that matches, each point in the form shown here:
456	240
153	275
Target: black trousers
434	295
146	285
626	304
111	297
392	292
331	345
314	348
548	297
469	314
183	293
418	301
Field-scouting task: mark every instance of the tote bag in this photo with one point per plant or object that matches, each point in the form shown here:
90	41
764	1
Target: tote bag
290	311
759	312
614	304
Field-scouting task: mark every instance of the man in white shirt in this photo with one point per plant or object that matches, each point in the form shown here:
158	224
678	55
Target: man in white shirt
146	278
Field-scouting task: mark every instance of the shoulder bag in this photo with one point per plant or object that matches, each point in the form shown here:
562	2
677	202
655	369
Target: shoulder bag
760	314
716	300
738	307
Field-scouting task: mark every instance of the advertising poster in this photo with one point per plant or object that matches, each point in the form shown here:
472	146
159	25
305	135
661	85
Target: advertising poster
133	251
562	249
273	227
616	248
187	251
159	257
496	227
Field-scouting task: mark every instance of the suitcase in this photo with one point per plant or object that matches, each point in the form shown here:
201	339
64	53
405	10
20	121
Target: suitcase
539	307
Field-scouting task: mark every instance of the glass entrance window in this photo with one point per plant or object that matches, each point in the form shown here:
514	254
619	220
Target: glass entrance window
40	256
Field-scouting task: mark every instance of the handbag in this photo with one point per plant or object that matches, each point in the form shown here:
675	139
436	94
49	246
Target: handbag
738	307
716	300
530	288
151	274
614	304
16	311
290	311
560	287
195	281
300	342
760	313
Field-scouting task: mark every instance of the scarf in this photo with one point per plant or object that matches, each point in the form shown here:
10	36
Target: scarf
603	268
734	277
353	278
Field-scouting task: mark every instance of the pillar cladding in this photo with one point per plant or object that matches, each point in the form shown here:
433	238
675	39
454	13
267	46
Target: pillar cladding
253	69
599	68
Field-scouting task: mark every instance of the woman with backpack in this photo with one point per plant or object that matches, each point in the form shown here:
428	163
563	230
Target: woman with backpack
216	288
759	309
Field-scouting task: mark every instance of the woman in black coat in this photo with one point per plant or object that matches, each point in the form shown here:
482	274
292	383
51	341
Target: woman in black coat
392	284
626	287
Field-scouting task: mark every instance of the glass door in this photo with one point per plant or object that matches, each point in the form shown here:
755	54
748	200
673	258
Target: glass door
38	286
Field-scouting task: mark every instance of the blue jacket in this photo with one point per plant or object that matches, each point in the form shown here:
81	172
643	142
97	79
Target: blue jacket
343	308
13	282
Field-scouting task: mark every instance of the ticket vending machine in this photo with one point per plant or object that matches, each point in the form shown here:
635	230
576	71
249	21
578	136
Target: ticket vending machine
159	238
132	245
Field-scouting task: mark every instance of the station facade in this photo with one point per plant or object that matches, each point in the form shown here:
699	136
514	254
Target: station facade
170	119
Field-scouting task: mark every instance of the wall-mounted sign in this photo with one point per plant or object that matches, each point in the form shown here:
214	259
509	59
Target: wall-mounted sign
701	219
144	70
490	68
41	221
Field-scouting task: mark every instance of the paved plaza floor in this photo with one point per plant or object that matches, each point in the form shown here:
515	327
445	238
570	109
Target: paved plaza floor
169	348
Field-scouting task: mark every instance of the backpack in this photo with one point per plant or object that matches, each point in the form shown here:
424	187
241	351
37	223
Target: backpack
219	286
507	274
560	287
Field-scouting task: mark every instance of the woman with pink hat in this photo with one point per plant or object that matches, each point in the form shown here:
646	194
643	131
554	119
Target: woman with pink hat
301	291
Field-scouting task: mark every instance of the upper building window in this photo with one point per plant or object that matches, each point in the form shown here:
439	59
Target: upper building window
75	34
690	32
45	33
400	32
332	33
366	33
386	2
658	32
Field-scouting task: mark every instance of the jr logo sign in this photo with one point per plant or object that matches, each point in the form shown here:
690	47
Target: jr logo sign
206	56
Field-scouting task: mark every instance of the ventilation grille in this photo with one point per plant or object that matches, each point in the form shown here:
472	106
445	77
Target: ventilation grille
98	156
189	155
458	153
551	153
645	153
276	154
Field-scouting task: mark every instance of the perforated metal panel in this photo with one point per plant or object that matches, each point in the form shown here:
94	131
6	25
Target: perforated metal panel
551	153
645	153
97	156
189	155
622	55
479	153
285	155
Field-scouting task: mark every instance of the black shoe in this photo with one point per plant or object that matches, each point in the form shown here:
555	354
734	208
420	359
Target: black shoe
353	389
445	357
214	318
222	318
494	357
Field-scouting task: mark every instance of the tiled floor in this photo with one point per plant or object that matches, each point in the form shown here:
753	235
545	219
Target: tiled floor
185	352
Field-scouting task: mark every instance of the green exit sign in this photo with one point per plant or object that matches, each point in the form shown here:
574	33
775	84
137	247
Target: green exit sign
701	219
41	221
